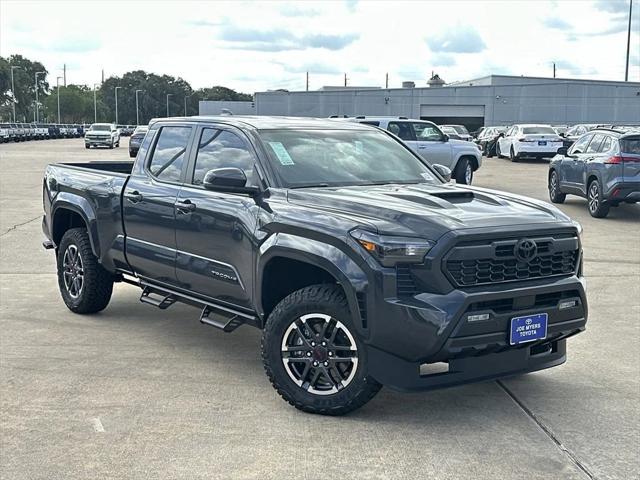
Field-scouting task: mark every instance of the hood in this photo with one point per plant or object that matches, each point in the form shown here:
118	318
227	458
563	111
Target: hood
459	144
427	210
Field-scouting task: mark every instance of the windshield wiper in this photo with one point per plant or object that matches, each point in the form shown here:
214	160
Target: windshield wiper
311	185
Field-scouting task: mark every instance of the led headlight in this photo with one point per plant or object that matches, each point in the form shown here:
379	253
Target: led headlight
578	226
391	250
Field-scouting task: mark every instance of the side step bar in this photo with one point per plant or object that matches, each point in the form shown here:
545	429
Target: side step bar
225	318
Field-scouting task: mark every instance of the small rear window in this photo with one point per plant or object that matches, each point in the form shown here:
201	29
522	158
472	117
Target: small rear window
539	130
630	145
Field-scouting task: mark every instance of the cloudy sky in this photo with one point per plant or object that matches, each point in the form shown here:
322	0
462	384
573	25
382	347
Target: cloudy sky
267	45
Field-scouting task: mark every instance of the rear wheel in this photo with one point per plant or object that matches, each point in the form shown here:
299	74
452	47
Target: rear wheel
555	195
498	152
464	172
84	284
597	207
512	155
312	355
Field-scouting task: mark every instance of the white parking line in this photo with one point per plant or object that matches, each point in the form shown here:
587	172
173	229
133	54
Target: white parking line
97	424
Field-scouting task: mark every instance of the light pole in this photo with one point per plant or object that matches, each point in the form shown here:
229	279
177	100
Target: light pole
13	92
137	115
95	104
168	95
185	103
626	70
58	91
35	114
116	89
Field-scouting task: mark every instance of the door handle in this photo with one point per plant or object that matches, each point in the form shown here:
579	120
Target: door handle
421	148
186	207
133	197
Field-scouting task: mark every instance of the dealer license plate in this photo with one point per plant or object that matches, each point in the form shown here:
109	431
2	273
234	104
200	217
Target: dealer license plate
542	144
528	328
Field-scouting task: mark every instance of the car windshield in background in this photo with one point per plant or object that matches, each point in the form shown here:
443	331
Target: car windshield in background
304	158
101	128
461	129
538	130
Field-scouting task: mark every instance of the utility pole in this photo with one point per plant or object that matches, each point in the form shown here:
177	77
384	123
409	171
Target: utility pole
185	103
58	95
13	92
626	70
386	80
35	114
64	74
137	115
345	79
307	81
95	105
168	95
116	89
554	69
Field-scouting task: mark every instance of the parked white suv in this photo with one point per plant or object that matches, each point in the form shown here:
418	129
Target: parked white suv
534	141
102	134
426	139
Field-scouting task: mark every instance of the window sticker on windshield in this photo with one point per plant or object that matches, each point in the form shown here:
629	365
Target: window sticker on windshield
281	153
427	176
359	148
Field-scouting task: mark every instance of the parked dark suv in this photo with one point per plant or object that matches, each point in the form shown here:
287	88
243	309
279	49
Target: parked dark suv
603	166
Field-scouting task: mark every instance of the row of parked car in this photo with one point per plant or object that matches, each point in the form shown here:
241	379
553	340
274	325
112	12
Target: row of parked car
22	132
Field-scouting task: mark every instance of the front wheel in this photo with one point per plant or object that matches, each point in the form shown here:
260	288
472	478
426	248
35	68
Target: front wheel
84	284
555	195
512	155
312	354
464	172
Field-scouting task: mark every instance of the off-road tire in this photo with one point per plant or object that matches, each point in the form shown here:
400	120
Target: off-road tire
325	299
555	195
97	282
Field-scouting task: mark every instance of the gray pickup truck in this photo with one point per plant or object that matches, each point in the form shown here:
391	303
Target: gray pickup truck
360	273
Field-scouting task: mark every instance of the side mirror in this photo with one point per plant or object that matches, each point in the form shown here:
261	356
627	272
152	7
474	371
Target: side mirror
562	134
445	172
501	135
229	179
445	137
564	151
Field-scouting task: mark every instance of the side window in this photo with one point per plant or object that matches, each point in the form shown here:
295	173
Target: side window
220	149
510	132
580	145
402	130
168	156
427	133
594	146
606	144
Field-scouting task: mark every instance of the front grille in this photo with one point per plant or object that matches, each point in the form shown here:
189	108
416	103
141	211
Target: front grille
483	263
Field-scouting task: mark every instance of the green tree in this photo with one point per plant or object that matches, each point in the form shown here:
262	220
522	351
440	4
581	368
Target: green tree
76	105
24	81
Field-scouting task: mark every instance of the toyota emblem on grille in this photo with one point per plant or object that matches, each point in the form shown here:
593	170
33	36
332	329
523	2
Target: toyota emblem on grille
526	250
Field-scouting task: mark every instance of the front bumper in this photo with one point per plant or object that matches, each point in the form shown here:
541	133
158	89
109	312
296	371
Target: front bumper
96	141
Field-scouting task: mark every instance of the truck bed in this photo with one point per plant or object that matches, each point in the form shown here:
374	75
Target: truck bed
121	167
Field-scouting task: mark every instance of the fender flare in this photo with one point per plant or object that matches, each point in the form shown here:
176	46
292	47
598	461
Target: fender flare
351	277
81	206
474	155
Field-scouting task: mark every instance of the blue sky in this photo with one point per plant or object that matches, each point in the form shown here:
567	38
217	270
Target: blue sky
267	45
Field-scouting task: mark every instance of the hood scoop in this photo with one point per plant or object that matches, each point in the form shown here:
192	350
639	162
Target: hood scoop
451	197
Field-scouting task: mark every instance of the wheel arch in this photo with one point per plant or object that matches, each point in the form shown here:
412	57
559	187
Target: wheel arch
69	212
290	263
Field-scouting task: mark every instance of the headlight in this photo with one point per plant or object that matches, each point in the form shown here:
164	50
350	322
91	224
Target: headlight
391	250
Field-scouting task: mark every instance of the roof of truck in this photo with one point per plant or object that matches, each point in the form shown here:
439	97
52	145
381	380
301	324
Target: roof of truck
267	122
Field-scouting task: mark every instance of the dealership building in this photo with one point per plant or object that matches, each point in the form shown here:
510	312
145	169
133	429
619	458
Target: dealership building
492	100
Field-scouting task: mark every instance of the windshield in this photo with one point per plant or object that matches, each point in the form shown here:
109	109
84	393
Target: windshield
460	129
101	128
303	158
538	130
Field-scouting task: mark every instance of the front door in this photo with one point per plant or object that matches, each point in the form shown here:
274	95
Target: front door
149	204
433	146
215	230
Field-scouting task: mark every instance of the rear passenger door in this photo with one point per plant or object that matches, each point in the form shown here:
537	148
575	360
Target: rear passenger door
149	203
215	231
572	164
404	130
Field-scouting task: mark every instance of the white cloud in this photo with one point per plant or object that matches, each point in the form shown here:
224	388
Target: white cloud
254	46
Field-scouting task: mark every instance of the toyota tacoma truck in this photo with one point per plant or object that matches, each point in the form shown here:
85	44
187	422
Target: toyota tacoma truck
361	264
